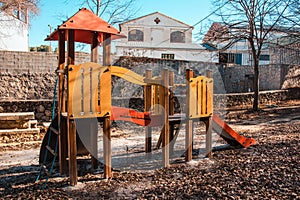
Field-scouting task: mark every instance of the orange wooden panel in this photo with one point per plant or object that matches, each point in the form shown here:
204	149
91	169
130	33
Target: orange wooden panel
89	91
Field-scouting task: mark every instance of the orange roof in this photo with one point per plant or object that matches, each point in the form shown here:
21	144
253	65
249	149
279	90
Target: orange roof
84	22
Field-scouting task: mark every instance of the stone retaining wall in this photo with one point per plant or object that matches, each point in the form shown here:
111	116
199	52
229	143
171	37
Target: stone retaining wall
30	75
15	62
43	108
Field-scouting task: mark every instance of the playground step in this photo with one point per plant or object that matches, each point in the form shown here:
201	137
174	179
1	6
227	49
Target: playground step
19	131
21	116
51	150
54	130
19	120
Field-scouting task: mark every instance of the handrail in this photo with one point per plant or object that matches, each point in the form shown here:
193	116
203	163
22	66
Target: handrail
128	75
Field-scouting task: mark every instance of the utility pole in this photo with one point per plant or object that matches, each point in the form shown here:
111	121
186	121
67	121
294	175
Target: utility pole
50	34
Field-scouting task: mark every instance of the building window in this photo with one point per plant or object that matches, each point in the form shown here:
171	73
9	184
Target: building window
264	57
167	56
235	58
136	35
177	37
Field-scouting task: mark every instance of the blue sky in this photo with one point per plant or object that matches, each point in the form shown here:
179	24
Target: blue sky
53	12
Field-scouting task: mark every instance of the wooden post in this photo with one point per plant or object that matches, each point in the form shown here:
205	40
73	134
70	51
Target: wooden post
107	124
71	123
94	48
208	123
106	49
61	107
208	146
165	131
94	144
189	122
147	106
72	152
209	74
71	47
94	130
107	148
172	102
171	109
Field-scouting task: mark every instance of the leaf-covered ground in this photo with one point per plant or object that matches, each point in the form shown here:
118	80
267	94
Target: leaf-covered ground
268	170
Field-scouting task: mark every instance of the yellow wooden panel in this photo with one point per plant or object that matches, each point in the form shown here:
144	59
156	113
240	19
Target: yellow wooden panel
200	97
210	93
89	93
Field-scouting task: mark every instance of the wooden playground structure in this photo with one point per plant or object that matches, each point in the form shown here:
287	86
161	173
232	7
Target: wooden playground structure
84	92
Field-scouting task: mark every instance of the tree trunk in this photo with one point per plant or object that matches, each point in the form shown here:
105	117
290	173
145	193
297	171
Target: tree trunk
256	87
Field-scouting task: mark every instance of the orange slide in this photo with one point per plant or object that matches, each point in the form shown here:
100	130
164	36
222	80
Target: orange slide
146	119
130	115
229	135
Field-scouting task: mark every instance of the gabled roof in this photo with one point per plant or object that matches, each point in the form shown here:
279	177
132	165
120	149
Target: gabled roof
139	18
85	22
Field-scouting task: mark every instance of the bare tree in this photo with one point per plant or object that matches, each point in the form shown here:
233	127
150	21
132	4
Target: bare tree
252	20
113	11
30	5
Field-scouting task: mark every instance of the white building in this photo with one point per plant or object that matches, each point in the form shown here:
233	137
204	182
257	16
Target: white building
238	51
14	30
159	36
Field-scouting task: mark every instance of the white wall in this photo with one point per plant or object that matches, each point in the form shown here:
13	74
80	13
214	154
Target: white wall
13	33
157	40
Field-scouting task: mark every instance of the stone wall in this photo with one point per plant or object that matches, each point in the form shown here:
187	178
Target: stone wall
43	108
227	79
241	78
28	78
15	62
27	86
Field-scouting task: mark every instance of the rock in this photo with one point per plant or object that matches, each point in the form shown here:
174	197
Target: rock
41	109
48	113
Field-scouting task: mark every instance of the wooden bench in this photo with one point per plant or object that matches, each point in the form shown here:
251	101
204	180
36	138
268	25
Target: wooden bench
16	123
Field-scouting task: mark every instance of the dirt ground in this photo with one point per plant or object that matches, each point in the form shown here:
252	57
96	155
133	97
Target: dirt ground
268	170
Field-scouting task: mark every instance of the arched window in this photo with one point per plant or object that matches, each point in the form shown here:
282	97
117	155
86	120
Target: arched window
177	37
136	35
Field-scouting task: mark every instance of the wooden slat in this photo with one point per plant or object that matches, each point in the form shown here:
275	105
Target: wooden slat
204	97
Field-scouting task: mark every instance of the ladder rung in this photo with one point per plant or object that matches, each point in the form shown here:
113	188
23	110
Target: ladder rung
51	150
46	170
54	130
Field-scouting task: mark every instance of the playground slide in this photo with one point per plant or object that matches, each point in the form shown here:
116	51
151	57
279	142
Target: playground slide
229	135
140	118
144	119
